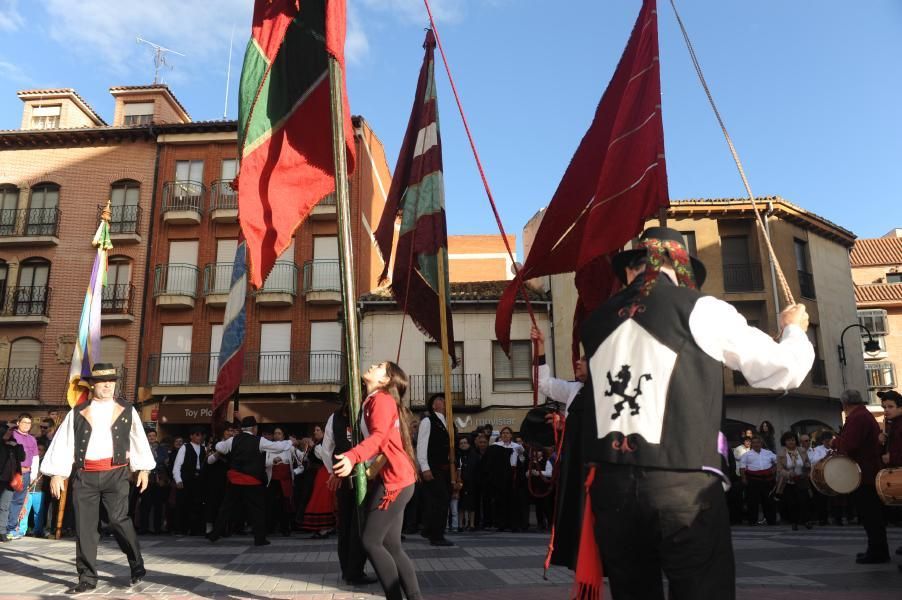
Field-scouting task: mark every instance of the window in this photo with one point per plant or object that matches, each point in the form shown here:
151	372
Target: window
117	292
229	169
42	209
512	374
689	242
4	272
874	320
325	351
435	374
138	113
189	177
22	376
894	277
275	352
740	274
181	276
112	349
283	277
175	355
225	262
31	295
325	275
9	209
803	265
124	196
45	117
215	345
880	374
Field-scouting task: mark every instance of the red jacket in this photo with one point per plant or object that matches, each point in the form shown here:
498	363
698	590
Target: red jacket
382	421
894	443
860	441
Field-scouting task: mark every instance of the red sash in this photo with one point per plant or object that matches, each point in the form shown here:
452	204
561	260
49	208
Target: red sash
239	478
103	464
282	473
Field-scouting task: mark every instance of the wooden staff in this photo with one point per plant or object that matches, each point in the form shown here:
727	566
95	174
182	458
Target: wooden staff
61	509
446	361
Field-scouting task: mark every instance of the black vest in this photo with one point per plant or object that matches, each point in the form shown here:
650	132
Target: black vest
120	430
341	432
654	398
189	465
438	452
246	456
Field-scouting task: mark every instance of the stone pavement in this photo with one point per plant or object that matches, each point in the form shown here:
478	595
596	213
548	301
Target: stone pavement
772	563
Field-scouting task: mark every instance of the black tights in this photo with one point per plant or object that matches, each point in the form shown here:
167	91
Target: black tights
382	541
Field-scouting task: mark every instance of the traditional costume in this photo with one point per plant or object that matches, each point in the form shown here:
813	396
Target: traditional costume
434	456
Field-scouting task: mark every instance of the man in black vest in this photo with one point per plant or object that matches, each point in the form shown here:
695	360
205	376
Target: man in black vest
246	479
186	472
653	408
100	438
434	458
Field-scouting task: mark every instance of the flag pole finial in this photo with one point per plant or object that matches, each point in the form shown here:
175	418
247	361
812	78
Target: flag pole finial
107	213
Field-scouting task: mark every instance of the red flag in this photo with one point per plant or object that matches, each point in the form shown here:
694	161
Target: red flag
615	181
285	122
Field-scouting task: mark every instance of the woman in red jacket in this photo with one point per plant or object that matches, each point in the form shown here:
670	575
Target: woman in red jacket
386	427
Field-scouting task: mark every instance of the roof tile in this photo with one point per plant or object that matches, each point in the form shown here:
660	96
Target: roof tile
878	292
877	251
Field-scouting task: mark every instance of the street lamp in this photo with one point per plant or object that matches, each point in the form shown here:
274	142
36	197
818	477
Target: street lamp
871	346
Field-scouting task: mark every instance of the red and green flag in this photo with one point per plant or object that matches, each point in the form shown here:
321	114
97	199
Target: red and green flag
285	122
417	195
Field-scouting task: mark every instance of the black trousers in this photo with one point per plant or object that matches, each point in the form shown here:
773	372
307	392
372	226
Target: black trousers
351	556
436	498
870	513
794	504
88	490
278	512
253	499
152	501
651	521
189	503
757	494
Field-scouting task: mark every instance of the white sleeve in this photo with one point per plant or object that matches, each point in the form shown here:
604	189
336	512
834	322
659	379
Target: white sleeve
549	469
744	462
269	458
268	446
327	448
559	390
211	458
60	456
423	444
724	335
177	465
225	446
140	454
36	466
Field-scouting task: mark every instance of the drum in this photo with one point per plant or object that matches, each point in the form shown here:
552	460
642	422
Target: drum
889	486
836	475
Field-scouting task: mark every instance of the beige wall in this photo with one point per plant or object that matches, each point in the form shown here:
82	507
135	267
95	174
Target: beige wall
71	115
164	111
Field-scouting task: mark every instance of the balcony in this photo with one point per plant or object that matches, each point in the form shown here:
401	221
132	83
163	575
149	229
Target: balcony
217	283
325	209
466	390
117	303
280	287
175	286
743	278
183	202
25	305
264	372
223	202
29	226
819	373
806	285
322	282
20	385
125	223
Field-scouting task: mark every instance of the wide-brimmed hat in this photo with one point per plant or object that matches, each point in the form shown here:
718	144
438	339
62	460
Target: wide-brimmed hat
623	259
102	372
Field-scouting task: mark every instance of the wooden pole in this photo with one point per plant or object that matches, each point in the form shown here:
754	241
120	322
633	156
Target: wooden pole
346	263
446	360
61	509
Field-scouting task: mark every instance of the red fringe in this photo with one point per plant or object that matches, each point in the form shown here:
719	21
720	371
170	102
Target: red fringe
588	582
389	497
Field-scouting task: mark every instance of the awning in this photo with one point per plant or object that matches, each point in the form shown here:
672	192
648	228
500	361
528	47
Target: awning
190	412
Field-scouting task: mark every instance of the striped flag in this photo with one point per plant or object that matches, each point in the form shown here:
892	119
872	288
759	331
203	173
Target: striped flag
87	346
417	194
231	351
285	123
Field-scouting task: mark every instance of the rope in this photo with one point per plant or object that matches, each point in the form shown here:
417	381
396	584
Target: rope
784	285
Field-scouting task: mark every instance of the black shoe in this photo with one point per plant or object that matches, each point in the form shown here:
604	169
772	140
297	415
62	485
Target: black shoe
441	542
212	537
868	559
362	580
263	543
81	588
138	577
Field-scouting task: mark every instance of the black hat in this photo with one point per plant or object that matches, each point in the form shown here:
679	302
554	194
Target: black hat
624	258
198	429
102	372
247	422
891	395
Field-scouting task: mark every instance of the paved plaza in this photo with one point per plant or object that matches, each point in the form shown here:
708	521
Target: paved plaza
772	563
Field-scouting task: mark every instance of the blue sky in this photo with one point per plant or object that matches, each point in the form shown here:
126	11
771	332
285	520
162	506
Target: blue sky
809	90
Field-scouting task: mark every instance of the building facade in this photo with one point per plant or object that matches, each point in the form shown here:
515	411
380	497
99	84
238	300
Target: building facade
877	273
480	258
814	254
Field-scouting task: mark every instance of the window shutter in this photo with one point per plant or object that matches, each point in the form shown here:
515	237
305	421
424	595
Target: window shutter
46	111
25	353
138	108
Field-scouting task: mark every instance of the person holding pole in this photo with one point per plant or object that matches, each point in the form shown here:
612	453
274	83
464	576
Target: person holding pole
434	458
100	438
386	429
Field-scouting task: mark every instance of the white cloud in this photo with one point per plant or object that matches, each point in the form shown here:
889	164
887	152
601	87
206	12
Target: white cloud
357	44
10	18
14	73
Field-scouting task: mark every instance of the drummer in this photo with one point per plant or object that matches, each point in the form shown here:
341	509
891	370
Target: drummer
859	440
892	415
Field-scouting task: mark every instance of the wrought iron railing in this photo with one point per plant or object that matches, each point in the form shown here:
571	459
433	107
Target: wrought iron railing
29	222
466	390
743	278
322	276
283	279
183	196
217	278
806	284
222	195
118	299
260	368
125	218
176	279
20	383
25	301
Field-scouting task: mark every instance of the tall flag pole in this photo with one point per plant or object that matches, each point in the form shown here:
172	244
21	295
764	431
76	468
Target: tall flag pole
419	279
230	365
616	180
87	346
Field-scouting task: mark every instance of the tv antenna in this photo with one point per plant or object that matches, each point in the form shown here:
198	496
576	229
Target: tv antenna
159	57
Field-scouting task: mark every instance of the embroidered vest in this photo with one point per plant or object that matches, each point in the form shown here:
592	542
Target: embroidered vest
438	451
120	430
189	465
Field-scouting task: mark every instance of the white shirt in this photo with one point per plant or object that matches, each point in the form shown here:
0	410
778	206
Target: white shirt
517	451
180	459
795	465
60	456
225	446
817	454
325	450
738	452
724	335
559	390
284	457
758	461
423	441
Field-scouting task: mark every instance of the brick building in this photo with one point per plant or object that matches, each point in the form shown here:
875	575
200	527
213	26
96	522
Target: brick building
877	272
480	258
295	361
55	174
